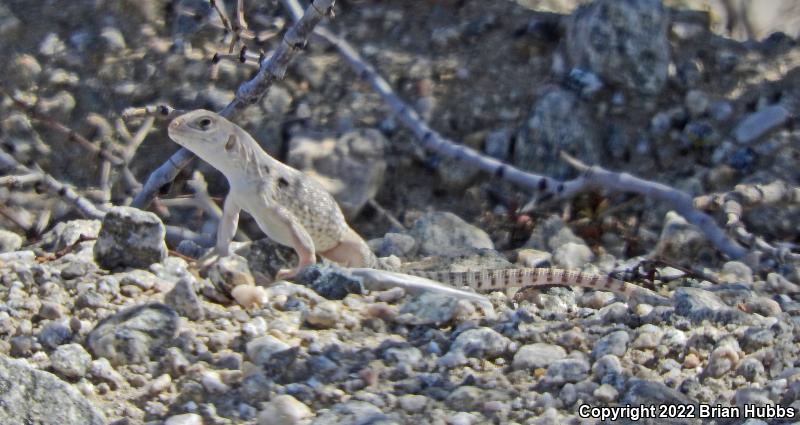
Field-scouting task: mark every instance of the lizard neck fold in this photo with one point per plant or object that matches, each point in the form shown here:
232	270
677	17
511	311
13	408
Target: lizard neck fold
245	160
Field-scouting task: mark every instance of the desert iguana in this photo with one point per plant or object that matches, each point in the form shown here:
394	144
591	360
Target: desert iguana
294	210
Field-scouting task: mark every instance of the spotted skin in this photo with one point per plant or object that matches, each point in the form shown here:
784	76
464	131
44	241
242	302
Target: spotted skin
493	280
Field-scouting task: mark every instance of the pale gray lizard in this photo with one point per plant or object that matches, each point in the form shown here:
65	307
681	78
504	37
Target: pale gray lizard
294	210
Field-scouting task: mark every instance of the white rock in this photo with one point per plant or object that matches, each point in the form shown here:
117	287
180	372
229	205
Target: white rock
185	419
283	410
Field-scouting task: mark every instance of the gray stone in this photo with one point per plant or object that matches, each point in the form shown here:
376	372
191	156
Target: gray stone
572	255
261	349
350	167
537	355
624	41
764	306
551	233
467	398
183	298
130	237
265	257
721	110
325	315
68	233
352	412
698	305
76	269
51	45
101	370
135	334
71	361
567	370
648	337
559	122
722	360
428	308
751	369
615	343
31	396
113	40
641	392
229	272
587	83
54	334
682	242
9	241
444	233
139	278
484	343
498	144
759	123
332	283
398	244
410	356
284	410
697	102
736	272
9	24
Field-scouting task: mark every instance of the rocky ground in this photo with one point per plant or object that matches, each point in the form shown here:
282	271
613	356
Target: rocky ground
103	321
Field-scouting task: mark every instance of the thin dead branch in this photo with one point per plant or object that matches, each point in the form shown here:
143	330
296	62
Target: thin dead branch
592	177
248	93
51	123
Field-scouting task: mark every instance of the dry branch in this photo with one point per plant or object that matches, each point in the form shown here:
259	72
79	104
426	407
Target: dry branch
51	123
85	206
743	196
678	200
434	141
248	93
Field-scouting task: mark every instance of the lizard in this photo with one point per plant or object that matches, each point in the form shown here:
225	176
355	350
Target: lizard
294	210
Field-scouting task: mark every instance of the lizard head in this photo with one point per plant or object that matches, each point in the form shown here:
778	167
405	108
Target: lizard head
211	137
197	130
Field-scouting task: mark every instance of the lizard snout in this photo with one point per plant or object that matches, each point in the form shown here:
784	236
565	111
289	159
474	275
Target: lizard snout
176	122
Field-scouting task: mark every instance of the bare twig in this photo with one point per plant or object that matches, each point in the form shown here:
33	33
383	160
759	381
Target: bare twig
161	110
14	218
61	128
200	187
743	196
244	56
85	206
748	195
432	140
248	93
679	200
386	214
16	182
133	142
222	15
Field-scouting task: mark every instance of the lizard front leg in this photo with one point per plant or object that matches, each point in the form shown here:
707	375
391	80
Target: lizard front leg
225	232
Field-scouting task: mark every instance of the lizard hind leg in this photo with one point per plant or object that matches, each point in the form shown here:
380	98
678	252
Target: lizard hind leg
351	251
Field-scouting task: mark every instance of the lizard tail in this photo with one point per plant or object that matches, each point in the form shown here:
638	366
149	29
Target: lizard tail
487	280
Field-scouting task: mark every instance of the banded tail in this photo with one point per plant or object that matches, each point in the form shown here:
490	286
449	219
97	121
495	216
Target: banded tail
487	280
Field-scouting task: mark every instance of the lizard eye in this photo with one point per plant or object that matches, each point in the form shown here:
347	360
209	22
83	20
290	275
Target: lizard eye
204	123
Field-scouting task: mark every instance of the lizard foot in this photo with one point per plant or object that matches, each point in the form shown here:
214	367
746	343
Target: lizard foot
203	263
285	274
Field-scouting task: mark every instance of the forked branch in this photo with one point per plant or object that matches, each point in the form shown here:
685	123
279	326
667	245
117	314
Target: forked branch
271	69
593	176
